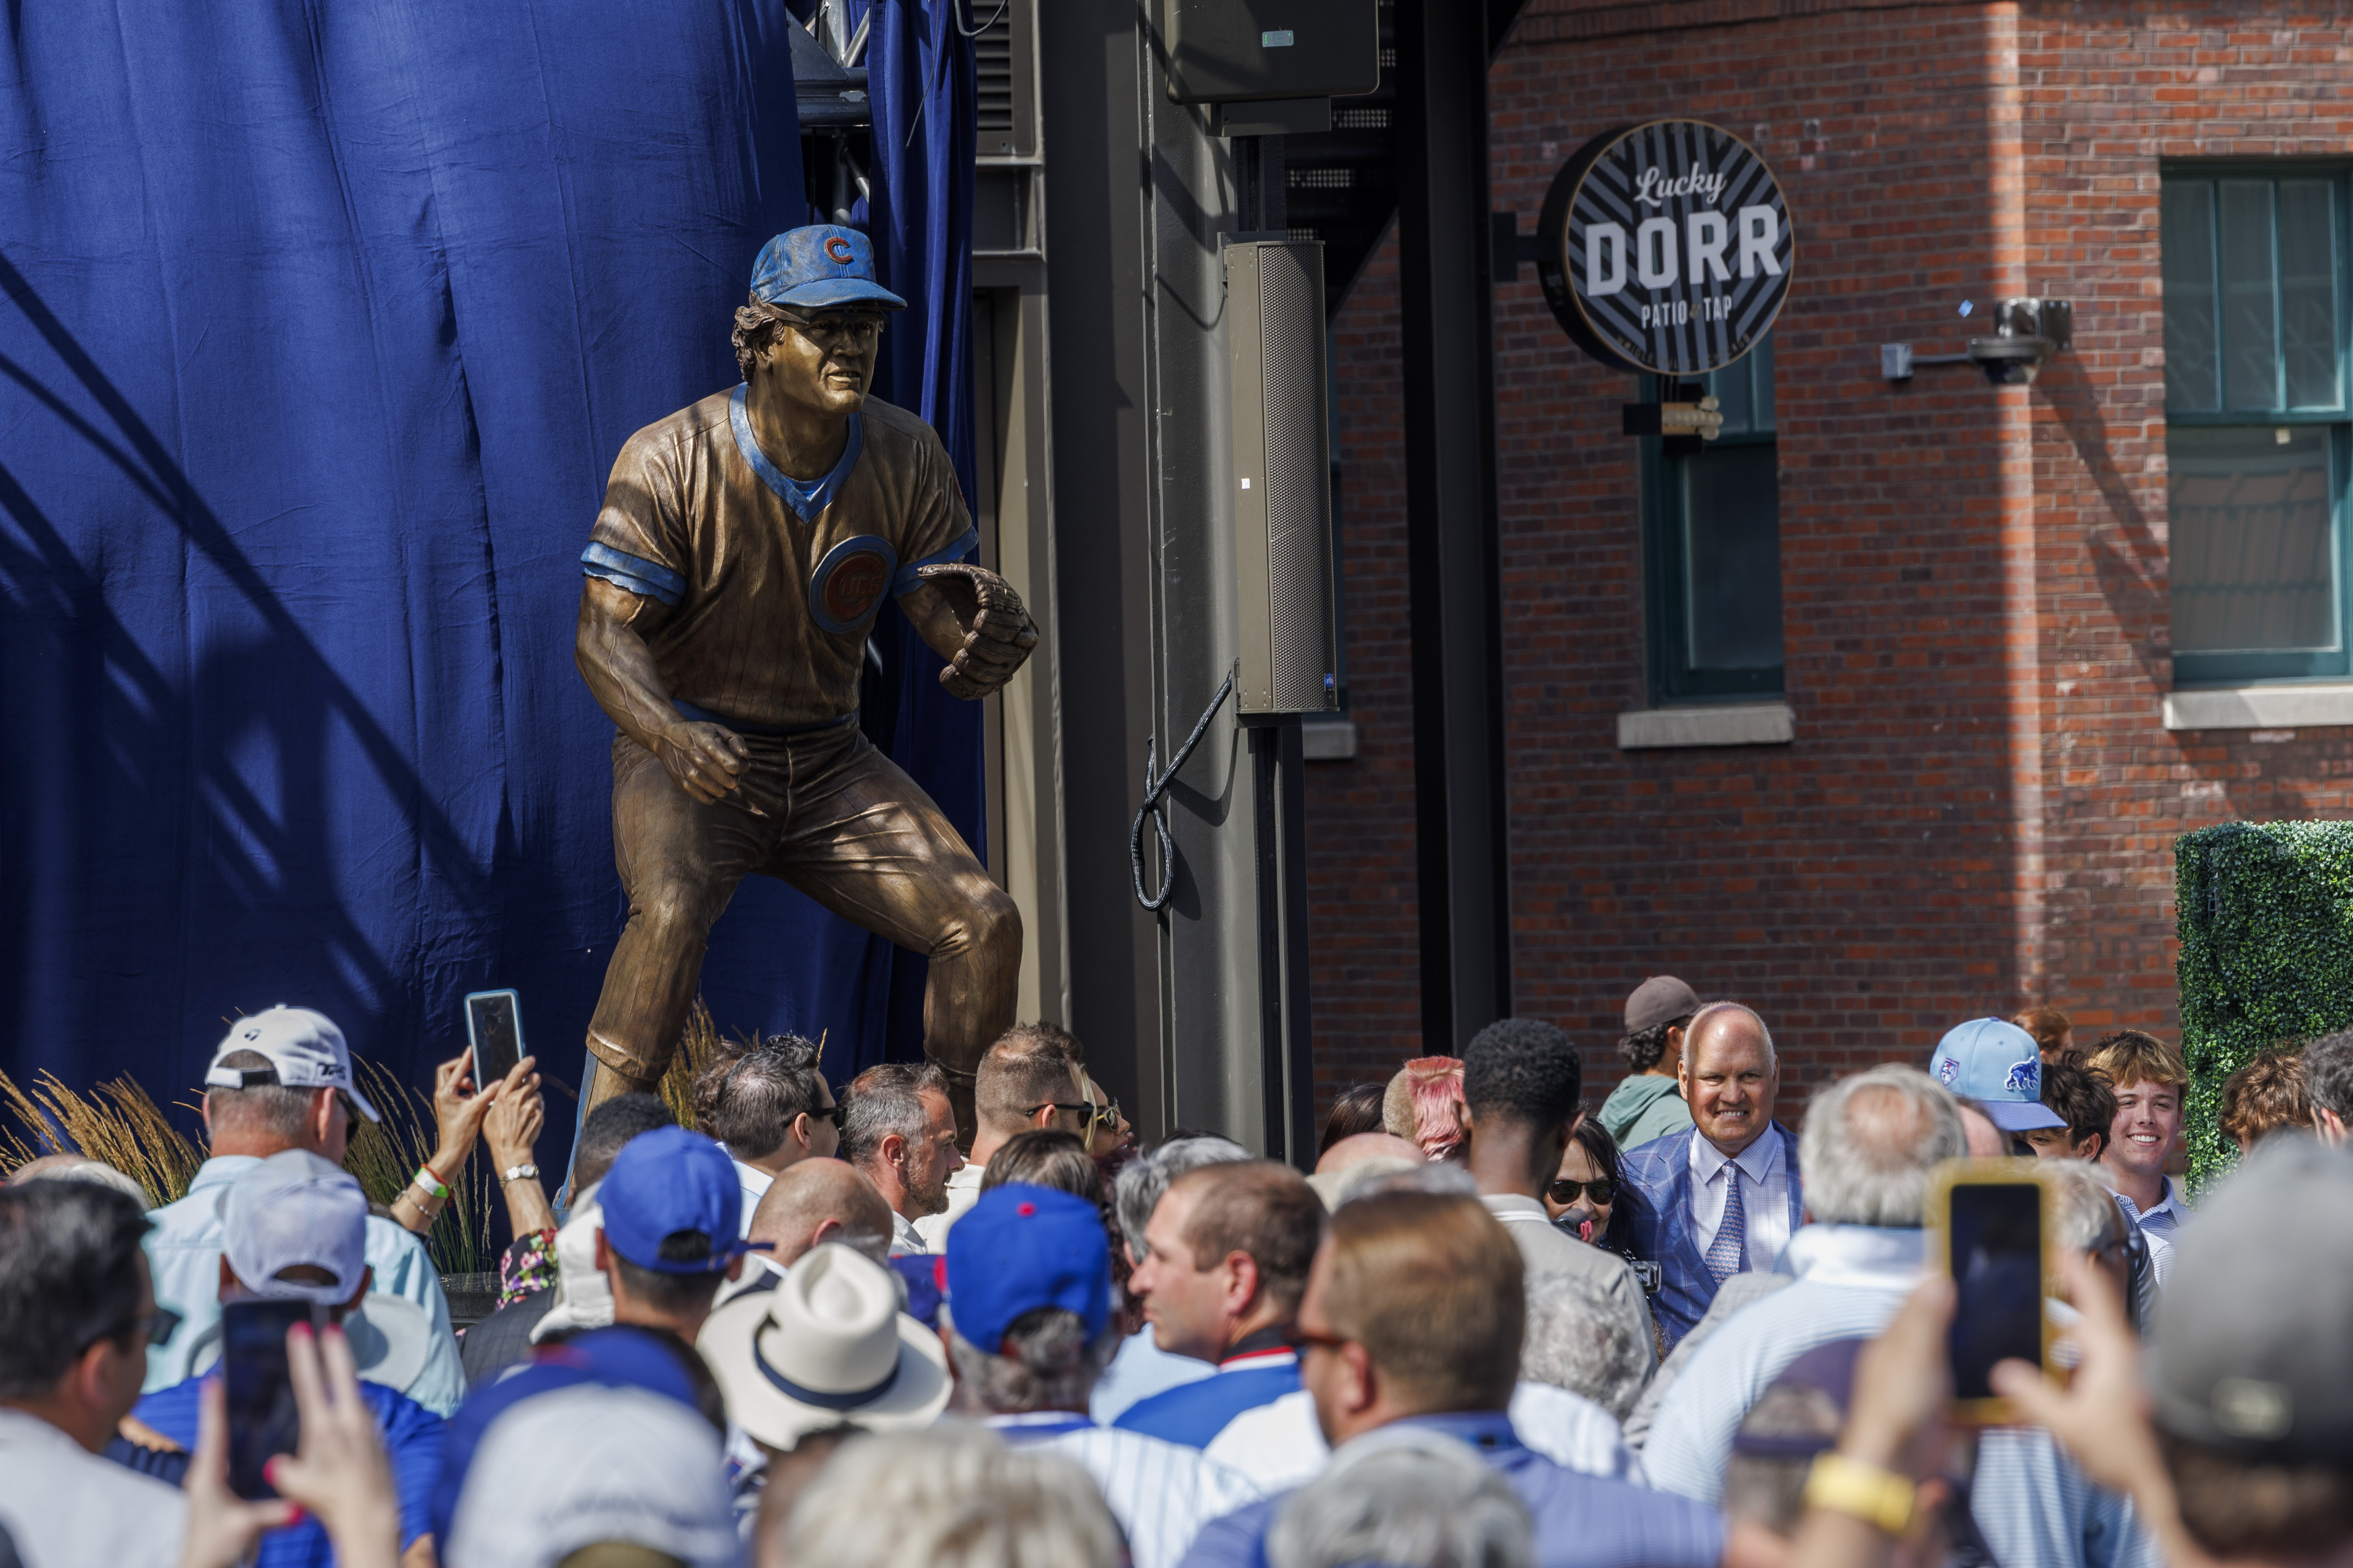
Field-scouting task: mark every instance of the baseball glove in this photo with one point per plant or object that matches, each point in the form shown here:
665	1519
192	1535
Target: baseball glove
998	631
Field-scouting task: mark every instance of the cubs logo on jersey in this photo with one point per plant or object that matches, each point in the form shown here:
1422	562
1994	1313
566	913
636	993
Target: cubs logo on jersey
850	582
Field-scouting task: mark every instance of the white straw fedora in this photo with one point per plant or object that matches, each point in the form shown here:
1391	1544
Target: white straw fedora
827	1345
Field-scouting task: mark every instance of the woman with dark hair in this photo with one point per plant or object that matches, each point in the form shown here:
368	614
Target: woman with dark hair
1357	1110
1586	1197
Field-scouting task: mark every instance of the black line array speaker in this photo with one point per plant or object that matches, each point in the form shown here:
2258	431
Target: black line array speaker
1283	476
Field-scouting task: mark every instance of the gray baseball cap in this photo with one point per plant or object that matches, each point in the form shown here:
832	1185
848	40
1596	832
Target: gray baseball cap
1661	999
2251	1354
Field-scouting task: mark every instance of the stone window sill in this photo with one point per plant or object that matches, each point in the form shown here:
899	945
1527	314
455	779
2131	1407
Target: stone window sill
1328	738
1731	724
2282	707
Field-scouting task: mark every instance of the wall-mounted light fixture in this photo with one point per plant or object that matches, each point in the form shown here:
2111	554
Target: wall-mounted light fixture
2027	331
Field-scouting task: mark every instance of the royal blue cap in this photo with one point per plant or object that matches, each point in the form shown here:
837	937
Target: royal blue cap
818	268
1022	1248
1998	1065
664	1181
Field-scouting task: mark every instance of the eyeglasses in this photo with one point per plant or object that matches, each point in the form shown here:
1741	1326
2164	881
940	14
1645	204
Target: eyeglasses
156	1328
833	1113
1601	1189
1084	1107
1305	1338
1107	1115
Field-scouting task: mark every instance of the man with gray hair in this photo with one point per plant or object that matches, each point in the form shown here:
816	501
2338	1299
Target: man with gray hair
1722	1196
1142	1368
899	1129
1404	1494
1870	1143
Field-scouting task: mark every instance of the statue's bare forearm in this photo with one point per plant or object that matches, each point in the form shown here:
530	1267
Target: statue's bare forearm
617	665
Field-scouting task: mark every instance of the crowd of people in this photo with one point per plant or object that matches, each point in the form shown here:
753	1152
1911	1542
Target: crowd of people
1495	1328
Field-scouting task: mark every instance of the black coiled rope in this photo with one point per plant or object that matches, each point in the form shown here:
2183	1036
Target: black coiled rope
1153	788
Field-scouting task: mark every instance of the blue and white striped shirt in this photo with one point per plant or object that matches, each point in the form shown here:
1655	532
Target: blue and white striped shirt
1162	1493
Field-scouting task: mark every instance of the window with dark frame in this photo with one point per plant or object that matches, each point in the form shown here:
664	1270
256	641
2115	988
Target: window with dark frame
1711	527
2256	426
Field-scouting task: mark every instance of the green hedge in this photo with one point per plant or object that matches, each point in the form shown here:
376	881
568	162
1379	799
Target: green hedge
2266	912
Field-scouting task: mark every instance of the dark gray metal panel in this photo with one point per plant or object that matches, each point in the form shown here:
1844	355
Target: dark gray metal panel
1443	47
1096	288
1137	194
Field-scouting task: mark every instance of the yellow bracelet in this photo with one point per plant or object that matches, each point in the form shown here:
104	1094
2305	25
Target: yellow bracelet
1864	1491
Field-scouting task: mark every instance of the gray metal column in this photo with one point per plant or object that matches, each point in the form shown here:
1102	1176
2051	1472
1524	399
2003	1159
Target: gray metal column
1442	50
1137	194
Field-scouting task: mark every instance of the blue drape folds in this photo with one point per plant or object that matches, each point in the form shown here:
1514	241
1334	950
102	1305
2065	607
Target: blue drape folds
319	328
919	60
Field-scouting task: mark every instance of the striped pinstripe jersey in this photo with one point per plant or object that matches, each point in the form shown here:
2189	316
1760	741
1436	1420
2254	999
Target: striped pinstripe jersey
1161	1493
771	587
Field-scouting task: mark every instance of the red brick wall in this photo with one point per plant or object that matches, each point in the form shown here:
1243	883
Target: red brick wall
1979	808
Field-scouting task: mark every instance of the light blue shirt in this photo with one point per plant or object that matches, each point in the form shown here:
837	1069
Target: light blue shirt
2035	1508
1139	1371
184	1253
2158	1227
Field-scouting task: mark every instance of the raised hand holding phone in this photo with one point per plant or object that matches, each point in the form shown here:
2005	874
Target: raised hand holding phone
339	1474
1990	1224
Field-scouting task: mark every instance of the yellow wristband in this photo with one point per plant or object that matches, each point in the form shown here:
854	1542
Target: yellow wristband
1874	1496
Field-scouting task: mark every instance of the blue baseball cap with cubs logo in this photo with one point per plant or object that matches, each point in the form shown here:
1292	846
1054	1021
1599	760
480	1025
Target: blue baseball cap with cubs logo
822	267
1998	1065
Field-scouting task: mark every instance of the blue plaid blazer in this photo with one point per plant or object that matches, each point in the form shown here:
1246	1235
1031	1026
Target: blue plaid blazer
1658	1175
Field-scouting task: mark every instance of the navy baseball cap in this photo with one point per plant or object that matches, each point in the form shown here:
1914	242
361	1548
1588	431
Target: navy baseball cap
664	1181
819	267
1998	1065
1022	1248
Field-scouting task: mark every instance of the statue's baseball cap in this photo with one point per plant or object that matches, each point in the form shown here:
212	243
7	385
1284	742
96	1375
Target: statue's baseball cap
1661	999
2251	1354
670	1181
1021	1247
1996	1064
822	267
305	1051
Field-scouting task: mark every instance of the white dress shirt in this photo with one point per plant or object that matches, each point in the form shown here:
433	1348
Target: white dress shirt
755	1184
1280	1446
1162	1493
1763	1176
904	1237
66	1507
2157	1226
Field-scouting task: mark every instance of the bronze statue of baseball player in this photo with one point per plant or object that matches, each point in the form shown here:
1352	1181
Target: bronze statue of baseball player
744	549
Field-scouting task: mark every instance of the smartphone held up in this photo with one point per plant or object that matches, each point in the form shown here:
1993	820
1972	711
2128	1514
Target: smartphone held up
494	1032
263	1421
1990	1224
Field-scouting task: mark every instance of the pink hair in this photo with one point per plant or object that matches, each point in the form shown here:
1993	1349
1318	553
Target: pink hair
1424	1105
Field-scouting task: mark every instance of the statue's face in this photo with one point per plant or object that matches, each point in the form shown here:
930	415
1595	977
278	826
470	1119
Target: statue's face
825	361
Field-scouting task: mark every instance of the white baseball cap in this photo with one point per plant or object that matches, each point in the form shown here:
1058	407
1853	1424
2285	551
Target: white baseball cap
577	1467
295	1209
305	1051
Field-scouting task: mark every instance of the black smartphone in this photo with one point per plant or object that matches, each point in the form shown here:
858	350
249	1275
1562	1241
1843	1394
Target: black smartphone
1991	1219
494	1030
262	1419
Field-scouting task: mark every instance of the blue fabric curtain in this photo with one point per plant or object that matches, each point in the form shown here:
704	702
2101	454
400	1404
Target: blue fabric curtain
319	327
919	61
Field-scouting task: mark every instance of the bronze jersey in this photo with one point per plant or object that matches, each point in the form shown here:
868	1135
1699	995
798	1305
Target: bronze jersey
771	584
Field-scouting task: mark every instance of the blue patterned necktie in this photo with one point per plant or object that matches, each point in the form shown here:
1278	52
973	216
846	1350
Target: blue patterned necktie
1728	1252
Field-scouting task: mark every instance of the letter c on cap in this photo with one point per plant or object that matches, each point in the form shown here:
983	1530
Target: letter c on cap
839	250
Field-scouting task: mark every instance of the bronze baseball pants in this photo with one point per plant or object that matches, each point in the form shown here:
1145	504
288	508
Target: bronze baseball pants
844	824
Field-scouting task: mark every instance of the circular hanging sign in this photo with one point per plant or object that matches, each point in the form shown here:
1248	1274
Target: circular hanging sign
1665	247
